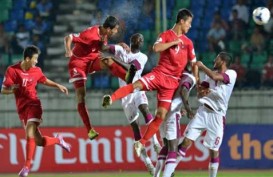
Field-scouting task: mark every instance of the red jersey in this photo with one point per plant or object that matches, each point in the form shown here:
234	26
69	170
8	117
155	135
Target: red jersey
87	43
26	82
173	60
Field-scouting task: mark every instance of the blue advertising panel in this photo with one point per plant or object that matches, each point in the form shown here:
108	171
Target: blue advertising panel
247	146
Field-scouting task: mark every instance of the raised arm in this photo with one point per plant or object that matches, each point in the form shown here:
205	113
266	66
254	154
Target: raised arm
213	75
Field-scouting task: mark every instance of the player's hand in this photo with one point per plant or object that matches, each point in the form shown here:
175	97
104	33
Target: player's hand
199	64
68	53
125	47
202	91
63	89
190	114
183	112
177	41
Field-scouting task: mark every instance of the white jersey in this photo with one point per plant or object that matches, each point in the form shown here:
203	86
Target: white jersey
138	59
131	102
170	128
220	93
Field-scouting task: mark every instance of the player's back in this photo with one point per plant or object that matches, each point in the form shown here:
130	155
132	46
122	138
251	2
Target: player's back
87	42
173	60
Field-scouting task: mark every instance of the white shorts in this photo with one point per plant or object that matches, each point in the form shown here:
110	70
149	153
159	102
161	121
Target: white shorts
170	128
213	123
131	103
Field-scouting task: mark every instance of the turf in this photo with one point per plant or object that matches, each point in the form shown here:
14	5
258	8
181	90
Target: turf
233	173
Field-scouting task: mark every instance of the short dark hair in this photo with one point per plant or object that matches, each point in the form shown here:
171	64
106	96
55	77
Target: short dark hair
183	14
226	57
110	22
30	50
137	40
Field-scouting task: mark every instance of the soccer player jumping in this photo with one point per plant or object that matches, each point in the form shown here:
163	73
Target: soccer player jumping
176	50
85	58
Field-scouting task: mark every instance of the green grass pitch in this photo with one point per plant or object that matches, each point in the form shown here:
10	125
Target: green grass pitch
221	173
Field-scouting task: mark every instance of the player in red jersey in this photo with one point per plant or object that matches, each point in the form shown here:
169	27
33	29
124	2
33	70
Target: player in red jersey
21	80
176	50
84	59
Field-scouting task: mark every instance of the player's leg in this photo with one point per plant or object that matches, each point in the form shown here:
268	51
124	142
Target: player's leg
160	116
121	93
152	127
82	108
115	68
214	163
31	116
131	112
45	141
77	71
160	82
172	135
170	162
144	109
213	140
161	158
30	147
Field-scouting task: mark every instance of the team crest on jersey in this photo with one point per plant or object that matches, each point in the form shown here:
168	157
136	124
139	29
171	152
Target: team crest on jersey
152	77
75	72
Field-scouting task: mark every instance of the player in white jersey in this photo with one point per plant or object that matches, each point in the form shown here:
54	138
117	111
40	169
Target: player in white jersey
137	100
170	129
213	93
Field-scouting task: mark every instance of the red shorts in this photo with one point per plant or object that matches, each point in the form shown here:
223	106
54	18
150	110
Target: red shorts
80	67
31	113
164	84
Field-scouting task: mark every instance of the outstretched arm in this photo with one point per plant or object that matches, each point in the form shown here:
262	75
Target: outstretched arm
51	83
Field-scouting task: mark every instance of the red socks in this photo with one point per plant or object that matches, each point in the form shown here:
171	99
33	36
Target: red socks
30	149
117	71
48	141
151	130
84	115
122	92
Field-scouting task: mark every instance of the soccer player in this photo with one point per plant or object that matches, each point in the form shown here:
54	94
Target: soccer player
136	100
176	50
84	59
170	129
21	80
214	94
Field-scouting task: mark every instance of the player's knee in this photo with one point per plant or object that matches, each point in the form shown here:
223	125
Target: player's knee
186	142
39	141
80	95
161	114
213	154
107	62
